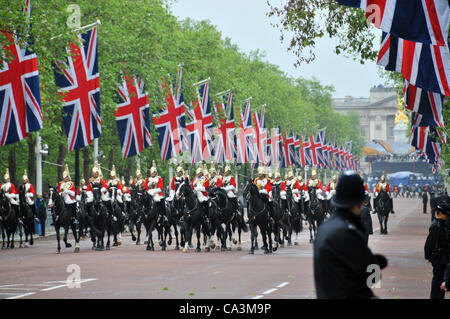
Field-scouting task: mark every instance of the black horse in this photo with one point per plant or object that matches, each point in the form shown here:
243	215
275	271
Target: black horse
297	214
26	216
258	216
382	204
82	216
97	215
174	211
226	211
193	215
62	217
152	212
135	211
9	221
280	207
115	219
314	214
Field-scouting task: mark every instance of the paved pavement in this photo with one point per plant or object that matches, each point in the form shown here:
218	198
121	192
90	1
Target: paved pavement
129	271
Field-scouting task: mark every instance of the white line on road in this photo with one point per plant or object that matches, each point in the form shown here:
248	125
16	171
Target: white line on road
73	282
267	292
20	296
258	297
284	284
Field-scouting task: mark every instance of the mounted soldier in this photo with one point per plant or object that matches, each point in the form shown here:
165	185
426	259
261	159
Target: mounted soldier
66	189
126	190
97	182
200	185
229	185
138	183
293	185
303	187
331	188
316	183
154	186
264	186
28	191
383	185
175	183
114	184
10	192
214	179
81	190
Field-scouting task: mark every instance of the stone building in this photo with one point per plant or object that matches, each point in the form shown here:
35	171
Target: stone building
377	112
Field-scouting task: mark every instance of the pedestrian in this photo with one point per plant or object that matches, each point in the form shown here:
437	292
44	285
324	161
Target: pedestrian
366	220
42	214
437	250
425	202
341	255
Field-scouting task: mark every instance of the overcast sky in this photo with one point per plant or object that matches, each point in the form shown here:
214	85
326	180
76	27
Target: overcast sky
246	23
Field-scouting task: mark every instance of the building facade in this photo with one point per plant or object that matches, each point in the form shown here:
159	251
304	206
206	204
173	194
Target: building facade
377	112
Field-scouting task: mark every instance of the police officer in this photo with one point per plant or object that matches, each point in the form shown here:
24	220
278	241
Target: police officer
437	250
341	255
425	202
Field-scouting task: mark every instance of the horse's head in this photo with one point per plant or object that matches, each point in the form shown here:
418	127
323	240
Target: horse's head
53	196
185	188
251	190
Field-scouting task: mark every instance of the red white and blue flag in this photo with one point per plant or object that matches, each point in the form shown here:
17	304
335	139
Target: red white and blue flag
424	21
261	136
287	146
422	65
225	139
20	99
274	147
170	122
133	117
246	150
427	103
79	83
199	130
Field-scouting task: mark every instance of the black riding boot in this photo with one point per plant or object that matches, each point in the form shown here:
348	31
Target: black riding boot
73	209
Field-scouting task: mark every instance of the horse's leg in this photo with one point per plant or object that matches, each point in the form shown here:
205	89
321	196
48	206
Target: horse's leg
239	248
76	237
310	223
66	231
20	230
58	239
385	223
138	230
252	239
198	249
380	220
264	237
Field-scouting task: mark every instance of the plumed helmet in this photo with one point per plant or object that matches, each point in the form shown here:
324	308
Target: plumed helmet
130	181
290	174
153	169
66	172
205	170
269	172
6	176
383	177
123	181
212	169
314	172
25	176
113	171
96	168
334	177
180	169
199	170
227	169
82	182
299	177
277	174
349	190
362	175
261	170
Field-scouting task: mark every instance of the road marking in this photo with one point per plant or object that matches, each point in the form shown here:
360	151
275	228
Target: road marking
378	228
269	291
73	282
258	297
16	288
20	296
284	284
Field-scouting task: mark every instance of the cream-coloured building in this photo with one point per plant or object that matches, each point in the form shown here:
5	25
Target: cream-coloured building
377	112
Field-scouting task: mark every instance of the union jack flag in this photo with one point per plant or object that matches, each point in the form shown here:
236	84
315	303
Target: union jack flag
20	98
423	21
199	128
171	123
274	147
287	145
79	85
427	103
245	137
225	149
422	65
133	117
305	158
296	155
261	135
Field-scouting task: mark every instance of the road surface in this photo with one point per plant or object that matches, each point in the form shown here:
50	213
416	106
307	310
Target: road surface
129	271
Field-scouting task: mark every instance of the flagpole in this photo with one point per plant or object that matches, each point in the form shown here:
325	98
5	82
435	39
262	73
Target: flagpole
79	29
201	82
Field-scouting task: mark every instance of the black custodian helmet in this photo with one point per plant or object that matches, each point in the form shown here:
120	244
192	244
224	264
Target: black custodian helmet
349	191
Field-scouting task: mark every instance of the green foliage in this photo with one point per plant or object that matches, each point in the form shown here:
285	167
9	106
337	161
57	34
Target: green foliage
142	37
